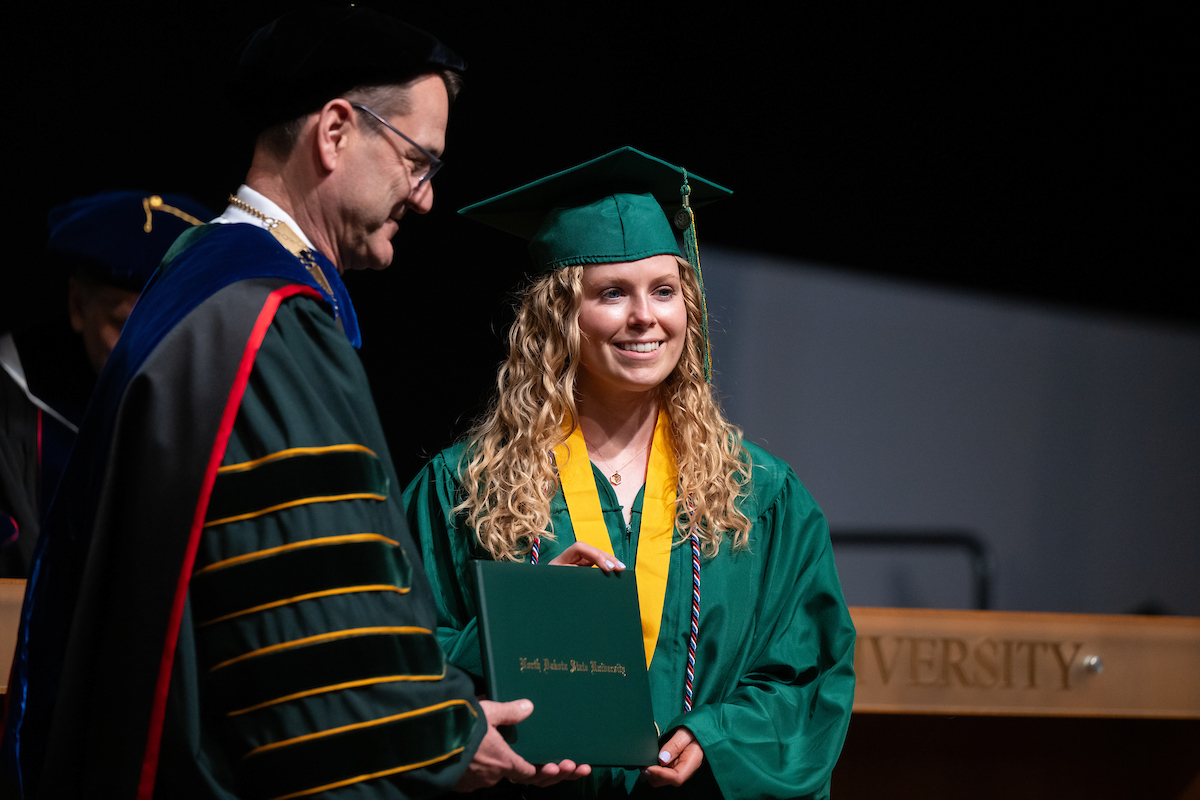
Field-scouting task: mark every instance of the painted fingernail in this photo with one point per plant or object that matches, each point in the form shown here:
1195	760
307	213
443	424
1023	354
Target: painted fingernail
664	757
621	565
609	564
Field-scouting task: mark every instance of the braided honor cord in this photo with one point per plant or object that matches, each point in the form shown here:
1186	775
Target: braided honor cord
695	630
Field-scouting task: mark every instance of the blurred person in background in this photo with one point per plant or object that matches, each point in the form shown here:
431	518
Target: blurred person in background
109	245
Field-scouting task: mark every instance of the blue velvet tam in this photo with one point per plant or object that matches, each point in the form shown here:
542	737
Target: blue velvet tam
119	237
297	63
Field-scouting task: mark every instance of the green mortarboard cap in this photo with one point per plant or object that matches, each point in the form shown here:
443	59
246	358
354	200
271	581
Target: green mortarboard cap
610	209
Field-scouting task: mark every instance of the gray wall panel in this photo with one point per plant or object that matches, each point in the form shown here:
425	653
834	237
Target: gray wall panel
1070	442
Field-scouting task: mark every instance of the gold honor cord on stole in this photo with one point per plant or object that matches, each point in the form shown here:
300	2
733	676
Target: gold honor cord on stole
658	518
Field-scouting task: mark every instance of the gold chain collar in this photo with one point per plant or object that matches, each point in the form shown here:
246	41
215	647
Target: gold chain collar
287	237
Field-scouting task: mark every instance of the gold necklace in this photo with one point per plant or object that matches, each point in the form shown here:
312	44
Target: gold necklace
284	234
615	477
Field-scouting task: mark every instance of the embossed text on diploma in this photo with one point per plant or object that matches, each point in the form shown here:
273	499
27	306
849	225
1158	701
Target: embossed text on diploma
570	666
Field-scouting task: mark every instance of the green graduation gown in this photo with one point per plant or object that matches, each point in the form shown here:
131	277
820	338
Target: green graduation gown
774	664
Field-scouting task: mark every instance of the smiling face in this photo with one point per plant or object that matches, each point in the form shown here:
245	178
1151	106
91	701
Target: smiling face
632	325
378	186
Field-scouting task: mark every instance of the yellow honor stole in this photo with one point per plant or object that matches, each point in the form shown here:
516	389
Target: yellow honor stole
658	518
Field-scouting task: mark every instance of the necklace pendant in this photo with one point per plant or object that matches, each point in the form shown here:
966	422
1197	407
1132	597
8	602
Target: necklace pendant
615	479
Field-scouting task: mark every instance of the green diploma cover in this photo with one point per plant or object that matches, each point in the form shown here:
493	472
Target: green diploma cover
583	665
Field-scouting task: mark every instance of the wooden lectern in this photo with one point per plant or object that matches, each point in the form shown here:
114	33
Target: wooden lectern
995	704
12	592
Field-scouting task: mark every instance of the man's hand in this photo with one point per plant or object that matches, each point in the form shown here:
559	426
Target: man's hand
495	760
580	554
680	757
550	774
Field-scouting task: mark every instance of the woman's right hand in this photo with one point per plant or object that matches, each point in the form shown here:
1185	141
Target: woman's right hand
584	555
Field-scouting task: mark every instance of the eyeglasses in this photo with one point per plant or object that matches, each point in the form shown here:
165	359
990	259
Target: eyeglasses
423	171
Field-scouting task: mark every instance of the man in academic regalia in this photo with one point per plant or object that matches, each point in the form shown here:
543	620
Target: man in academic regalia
107	245
225	601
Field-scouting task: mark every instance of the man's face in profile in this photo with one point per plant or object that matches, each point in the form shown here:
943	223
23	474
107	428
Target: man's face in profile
380	183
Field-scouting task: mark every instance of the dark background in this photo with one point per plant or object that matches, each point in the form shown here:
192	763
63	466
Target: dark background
1016	151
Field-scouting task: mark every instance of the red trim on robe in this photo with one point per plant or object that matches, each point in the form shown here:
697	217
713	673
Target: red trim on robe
158	711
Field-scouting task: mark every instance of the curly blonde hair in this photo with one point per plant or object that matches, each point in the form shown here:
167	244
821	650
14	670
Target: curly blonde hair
509	459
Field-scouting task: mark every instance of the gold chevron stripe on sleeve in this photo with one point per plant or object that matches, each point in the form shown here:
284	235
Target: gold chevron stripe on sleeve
337	687
301	502
321	637
360	778
359	725
284	548
297	451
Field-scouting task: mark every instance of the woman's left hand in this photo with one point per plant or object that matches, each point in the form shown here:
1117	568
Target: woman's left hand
580	554
680	757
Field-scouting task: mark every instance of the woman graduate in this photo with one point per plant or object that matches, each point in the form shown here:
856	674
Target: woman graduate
605	438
